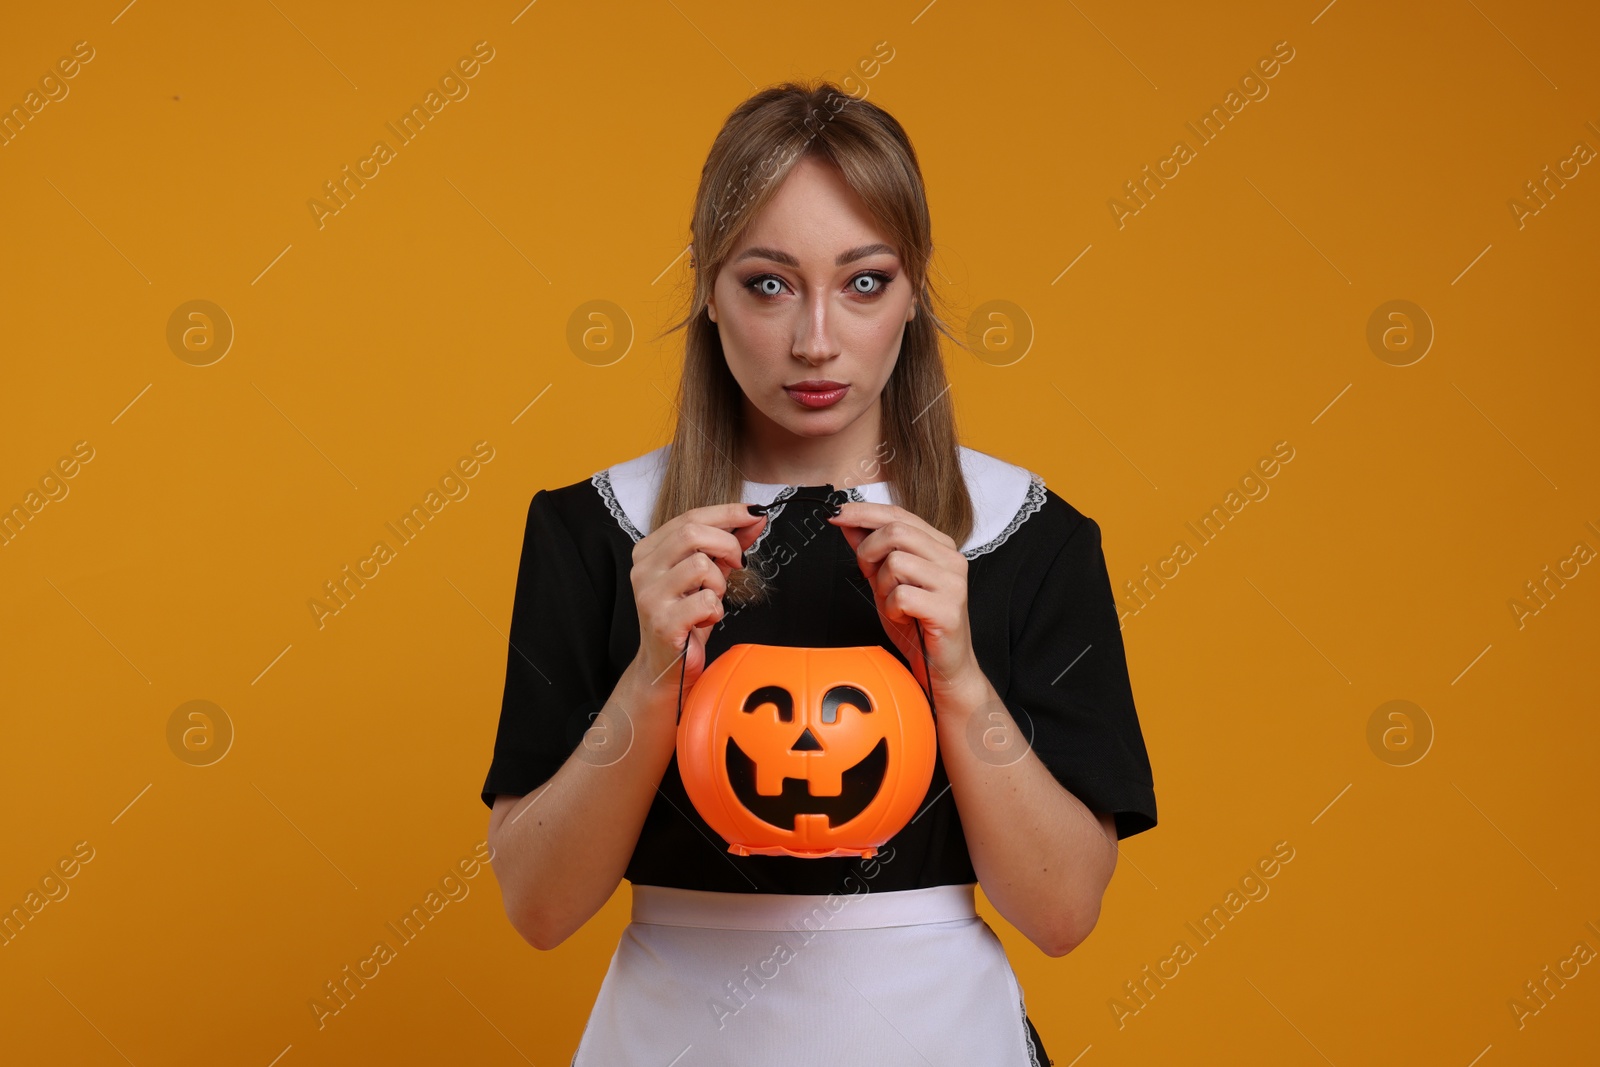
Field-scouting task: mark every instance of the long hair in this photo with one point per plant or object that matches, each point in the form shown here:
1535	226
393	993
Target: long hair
759	144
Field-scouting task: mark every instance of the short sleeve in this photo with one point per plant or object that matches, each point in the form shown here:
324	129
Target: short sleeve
1069	675
556	678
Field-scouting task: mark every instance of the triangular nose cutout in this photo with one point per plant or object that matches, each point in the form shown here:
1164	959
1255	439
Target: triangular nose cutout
808	742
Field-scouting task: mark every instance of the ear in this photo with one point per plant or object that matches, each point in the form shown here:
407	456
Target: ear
711	299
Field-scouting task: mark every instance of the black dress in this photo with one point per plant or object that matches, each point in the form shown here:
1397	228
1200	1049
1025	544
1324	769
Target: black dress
1044	627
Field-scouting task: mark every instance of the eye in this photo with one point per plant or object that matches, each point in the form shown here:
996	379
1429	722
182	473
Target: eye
879	282
843	694
775	695
868	283
765	285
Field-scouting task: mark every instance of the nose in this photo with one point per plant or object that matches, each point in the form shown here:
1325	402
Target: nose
814	340
808	742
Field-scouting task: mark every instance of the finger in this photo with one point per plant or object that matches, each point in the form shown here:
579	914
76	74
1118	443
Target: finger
662	597
733	517
685	615
903	536
693	573
871	515
695	612
854	535
910	604
903	568
748	534
692	537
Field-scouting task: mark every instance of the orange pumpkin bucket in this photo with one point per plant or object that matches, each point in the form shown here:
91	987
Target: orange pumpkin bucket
808	752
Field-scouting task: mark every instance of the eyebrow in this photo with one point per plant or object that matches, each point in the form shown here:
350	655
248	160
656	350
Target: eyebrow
849	255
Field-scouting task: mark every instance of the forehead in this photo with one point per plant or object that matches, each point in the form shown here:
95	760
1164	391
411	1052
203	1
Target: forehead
813	216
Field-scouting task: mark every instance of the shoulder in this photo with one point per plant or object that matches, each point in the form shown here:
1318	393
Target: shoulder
589	508
1025	523
1006	497
627	490
1015	509
568	526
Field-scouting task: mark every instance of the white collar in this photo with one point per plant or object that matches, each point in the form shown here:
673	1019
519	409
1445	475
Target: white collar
1003	495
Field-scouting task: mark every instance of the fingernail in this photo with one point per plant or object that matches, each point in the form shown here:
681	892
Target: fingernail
756	509
741	559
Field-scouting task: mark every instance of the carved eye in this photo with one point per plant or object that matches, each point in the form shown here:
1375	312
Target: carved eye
773	694
843	694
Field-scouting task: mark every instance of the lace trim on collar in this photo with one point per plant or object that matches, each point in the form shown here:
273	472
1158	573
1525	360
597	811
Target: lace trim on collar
1030	504
602	481
773	510
1034	500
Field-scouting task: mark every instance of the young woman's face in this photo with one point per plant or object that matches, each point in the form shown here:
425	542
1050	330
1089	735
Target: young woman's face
814	293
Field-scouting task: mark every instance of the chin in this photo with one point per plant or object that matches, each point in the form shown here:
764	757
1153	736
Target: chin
824	423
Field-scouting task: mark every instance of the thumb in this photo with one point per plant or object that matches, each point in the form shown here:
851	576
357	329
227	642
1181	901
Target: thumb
748	534
853	534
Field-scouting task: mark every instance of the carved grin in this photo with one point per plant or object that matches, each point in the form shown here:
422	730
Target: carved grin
858	786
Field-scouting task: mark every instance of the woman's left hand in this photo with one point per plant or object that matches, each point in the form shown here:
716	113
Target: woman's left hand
916	572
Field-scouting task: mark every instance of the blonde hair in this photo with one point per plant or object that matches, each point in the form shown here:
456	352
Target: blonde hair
759	144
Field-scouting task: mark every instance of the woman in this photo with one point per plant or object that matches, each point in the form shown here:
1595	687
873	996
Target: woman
814	493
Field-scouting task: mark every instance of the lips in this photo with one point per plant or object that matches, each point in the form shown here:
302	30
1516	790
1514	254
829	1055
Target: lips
816	394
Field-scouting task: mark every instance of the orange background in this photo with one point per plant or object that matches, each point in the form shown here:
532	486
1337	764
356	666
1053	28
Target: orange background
370	353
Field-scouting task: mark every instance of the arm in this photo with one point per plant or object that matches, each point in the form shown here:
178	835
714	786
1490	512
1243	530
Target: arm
1043	858
560	851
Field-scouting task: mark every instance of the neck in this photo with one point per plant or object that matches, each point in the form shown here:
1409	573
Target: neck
853	456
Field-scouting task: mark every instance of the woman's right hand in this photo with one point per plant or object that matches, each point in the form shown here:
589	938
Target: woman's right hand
680	575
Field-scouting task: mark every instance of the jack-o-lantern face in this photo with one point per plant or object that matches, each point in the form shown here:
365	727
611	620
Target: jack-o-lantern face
806	751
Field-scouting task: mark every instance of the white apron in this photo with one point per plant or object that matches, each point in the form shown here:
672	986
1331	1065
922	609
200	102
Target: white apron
706	979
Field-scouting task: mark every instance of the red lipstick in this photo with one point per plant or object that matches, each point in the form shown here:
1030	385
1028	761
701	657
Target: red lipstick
817	392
